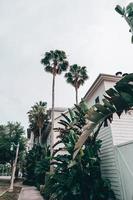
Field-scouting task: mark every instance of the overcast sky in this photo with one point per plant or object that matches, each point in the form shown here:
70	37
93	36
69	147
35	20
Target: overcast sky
89	31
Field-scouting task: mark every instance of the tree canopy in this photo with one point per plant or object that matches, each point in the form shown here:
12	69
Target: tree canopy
11	134
76	76
38	119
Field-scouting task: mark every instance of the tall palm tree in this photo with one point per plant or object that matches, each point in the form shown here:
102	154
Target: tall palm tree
76	77
55	62
37	115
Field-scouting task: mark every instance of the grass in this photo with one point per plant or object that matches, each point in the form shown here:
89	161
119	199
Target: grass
11	195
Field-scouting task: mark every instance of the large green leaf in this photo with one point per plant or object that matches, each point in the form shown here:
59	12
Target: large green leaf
118	102
119	9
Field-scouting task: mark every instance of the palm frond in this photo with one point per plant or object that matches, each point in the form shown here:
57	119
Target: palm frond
76	75
55	61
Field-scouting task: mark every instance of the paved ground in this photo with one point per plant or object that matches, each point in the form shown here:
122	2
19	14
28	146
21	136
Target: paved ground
4	184
30	193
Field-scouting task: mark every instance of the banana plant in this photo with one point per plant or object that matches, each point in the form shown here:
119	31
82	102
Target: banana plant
78	179
127	14
117	100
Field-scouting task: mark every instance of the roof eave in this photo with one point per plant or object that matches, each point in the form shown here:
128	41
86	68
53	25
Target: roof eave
99	80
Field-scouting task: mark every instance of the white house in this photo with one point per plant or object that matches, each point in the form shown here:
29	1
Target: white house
117	147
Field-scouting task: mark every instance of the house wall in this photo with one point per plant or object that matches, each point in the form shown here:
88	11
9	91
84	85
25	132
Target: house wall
98	92
30	142
122	128
108	160
56	133
109	84
58	112
124	156
107	153
57	125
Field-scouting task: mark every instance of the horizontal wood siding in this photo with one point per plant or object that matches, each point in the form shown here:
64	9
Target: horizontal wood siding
122	129
108	162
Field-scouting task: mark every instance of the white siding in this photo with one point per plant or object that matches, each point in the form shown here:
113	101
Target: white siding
30	142
124	156
122	128
109	84
107	153
108	162
99	92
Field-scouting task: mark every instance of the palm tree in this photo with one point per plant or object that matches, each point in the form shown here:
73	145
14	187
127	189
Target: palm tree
76	77
55	62
37	115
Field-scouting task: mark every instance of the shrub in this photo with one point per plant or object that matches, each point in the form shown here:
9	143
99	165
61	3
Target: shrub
78	179
37	164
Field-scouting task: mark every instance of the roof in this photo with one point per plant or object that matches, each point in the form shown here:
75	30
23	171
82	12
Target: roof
58	109
99	80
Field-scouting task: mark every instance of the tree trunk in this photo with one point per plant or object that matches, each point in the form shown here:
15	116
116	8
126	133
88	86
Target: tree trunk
40	131
14	169
52	120
76	91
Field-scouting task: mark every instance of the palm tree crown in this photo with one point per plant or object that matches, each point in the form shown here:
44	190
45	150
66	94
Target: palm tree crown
55	61
76	77
37	115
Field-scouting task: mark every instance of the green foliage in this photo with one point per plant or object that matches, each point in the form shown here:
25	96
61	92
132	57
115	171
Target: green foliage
55	61
5	153
38	118
127	13
37	164
76	75
117	100
120	10
78	179
12	133
38	114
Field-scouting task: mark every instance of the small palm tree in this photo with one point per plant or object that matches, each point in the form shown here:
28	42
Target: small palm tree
76	77
55	62
37	115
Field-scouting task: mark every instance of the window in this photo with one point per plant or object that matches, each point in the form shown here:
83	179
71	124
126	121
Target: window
97	100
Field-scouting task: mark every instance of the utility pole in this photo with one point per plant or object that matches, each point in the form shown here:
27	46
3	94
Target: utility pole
14	169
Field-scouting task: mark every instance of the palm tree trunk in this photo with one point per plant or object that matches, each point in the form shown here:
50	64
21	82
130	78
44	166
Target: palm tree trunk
40	131
52	120
76	91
